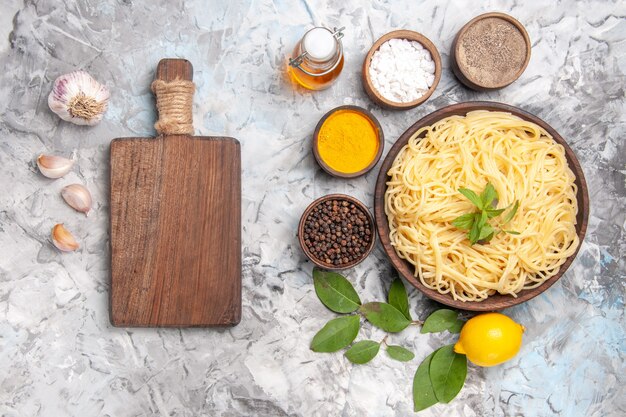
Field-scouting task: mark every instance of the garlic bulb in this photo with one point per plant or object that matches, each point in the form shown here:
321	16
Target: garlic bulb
78	98
78	197
53	166
63	239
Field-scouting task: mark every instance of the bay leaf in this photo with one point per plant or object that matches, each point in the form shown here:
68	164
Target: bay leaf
335	291
399	353
457	326
336	334
423	393
363	351
439	321
447	371
384	316
398	297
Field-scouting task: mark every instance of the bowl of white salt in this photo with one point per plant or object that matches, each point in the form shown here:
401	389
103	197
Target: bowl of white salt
401	70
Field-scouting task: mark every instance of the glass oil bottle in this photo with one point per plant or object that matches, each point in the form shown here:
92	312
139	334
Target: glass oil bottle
318	58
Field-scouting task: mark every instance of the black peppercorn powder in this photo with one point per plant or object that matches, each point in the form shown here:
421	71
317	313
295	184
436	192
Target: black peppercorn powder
491	52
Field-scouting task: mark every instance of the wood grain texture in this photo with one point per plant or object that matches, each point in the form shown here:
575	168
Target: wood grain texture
175	228
404	268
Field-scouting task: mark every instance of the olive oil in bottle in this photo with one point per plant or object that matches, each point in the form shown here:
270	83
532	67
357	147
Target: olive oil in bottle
318	58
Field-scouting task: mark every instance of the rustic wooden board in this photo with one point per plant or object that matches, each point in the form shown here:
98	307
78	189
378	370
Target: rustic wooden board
175	227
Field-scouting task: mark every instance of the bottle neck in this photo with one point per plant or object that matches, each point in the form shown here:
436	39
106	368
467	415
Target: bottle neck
322	66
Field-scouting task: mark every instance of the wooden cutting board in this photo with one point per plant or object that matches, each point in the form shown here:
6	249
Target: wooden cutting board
175	226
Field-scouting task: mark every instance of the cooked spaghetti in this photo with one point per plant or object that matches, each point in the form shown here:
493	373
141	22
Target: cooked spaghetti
523	163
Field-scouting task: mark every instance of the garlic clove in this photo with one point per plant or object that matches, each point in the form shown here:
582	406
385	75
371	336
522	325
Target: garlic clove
53	166
63	239
78	197
78	98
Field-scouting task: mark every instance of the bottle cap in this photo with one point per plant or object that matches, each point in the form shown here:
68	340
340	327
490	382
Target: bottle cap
320	44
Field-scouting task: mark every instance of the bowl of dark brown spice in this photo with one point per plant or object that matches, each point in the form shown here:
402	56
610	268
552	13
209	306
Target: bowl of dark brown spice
490	52
336	232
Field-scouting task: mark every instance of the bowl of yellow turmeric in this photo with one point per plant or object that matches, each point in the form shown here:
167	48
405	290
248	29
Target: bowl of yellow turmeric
348	141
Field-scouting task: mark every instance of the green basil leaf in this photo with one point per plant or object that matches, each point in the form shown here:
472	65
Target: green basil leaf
464	221
447	371
488	238
399	353
482	220
363	351
385	316
488	195
423	393
456	327
511	232
485	232
491	213
398	298
335	291
475	232
509	216
336	334
439	321
471	196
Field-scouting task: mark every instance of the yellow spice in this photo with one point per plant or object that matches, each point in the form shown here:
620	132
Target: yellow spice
347	141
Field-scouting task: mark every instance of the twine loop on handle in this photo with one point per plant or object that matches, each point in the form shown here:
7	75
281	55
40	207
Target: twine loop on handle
174	101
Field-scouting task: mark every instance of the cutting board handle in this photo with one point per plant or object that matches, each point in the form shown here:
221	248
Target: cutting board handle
173	87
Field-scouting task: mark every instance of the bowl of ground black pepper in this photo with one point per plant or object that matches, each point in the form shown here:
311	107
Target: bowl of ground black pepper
336	232
490	52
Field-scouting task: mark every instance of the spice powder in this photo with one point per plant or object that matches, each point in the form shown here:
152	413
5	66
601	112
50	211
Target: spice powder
347	141
491	52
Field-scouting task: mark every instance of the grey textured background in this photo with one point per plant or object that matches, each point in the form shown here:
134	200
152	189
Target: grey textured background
59	356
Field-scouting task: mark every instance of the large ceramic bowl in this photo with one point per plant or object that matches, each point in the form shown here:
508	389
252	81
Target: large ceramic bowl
496	301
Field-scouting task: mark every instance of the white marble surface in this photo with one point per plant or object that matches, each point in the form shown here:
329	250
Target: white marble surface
59	355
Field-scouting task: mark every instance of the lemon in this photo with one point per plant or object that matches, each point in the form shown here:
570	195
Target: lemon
490	339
